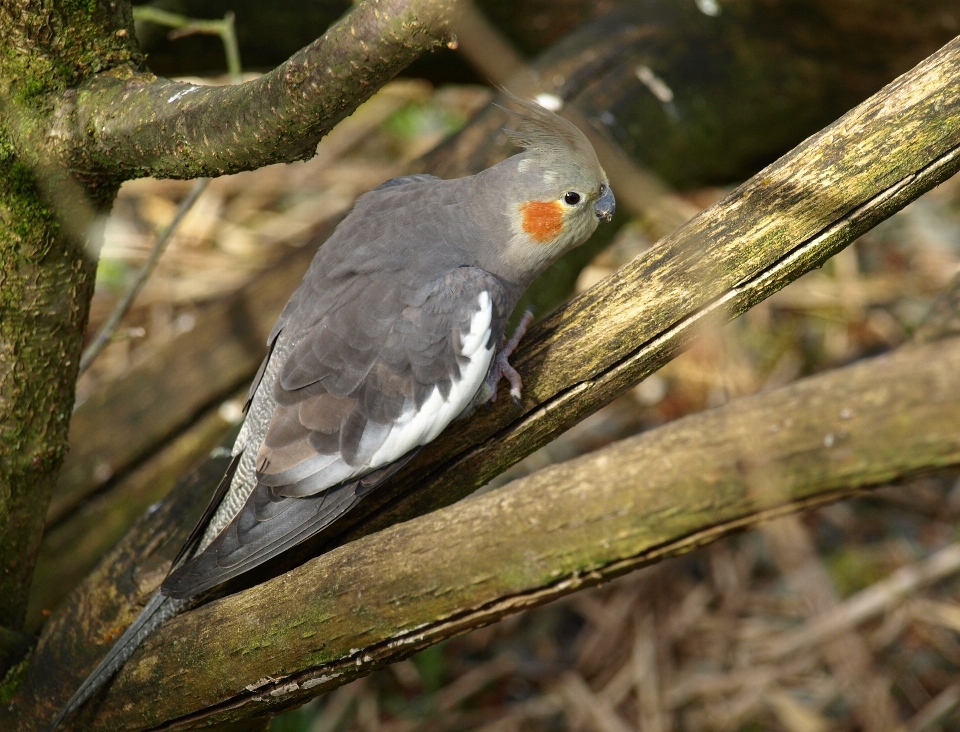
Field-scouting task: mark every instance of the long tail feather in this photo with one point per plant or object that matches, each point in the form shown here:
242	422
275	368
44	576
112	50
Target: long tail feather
159	609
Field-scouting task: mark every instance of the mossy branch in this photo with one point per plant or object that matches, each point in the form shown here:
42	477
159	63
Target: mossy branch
136	125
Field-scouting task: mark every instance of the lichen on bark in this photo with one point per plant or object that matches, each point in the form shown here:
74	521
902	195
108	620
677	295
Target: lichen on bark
46	276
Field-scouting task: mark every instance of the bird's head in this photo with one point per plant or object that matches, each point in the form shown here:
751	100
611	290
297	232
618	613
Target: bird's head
558	192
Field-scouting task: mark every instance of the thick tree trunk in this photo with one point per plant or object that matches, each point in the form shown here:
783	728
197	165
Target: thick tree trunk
46	272
45	287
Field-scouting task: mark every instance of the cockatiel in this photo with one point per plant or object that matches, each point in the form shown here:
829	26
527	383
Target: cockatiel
396	330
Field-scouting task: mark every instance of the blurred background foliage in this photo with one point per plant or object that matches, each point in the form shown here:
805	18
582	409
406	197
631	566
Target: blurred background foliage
699	95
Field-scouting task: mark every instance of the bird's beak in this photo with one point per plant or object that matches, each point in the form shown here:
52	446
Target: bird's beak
605	205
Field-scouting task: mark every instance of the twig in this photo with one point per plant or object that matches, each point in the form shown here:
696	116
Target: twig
227	31
335	710
868	603
794	715
473	681
938	614
185	26
647	682
936	709
847	655
106	330
585	704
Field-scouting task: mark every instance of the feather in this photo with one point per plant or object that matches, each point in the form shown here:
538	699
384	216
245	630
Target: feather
555	140
301	490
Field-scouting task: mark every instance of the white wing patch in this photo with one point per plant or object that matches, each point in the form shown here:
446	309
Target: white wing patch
415	428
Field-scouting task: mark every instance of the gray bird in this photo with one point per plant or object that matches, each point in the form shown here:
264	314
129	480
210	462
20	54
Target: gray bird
396	330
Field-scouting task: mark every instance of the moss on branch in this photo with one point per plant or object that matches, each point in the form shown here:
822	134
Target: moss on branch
139	125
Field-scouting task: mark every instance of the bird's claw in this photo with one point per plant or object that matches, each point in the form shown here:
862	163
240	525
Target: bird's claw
501	364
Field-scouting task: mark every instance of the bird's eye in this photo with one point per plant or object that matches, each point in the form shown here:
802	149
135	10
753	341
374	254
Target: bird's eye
603	188
572	198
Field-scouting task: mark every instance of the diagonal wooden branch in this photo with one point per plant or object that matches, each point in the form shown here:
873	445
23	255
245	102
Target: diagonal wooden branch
130	126
573	525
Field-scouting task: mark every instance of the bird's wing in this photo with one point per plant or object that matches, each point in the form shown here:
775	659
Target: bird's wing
365	386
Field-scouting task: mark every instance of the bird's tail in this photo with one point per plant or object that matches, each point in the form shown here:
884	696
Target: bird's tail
159	609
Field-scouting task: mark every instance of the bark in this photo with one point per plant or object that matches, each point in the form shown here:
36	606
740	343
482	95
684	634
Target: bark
570	526
665	492
46	275
145	126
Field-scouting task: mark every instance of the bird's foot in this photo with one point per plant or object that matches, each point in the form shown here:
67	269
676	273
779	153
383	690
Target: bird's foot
501	364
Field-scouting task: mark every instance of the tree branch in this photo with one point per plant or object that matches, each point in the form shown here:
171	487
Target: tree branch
141	125
572	525
783	222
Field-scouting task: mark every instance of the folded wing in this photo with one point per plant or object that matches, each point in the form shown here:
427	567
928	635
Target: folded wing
362	387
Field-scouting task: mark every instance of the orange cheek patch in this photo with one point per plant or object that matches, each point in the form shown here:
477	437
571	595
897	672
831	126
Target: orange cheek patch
542	220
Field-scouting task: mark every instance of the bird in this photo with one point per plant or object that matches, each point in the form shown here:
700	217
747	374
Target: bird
397	329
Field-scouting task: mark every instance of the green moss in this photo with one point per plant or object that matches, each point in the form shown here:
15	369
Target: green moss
854	569
28	214
30	89
13	678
